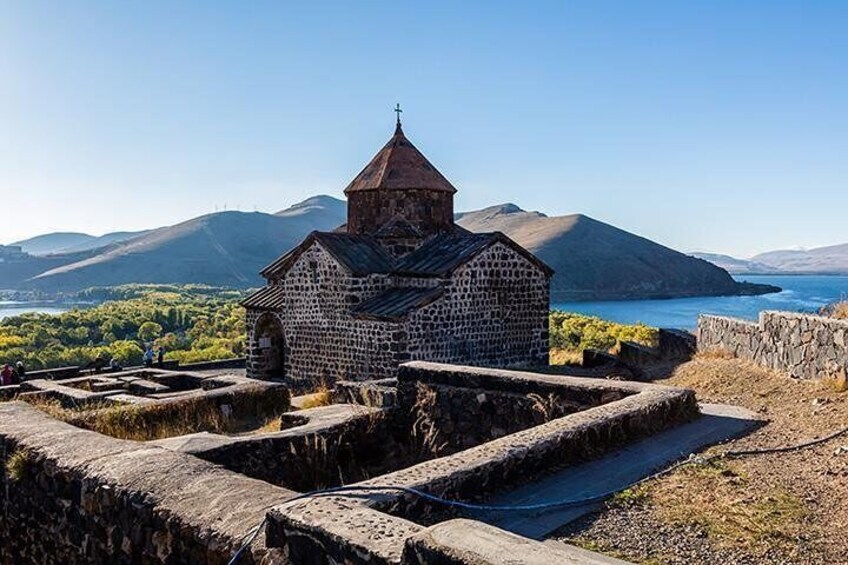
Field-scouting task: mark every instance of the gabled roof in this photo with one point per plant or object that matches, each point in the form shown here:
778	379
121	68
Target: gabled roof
399	165
442	254
395	303
360	254
439	256
266	298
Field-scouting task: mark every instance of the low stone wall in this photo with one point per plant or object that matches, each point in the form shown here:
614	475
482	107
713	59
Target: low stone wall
317	448
803	345
373	529
456	414
75	496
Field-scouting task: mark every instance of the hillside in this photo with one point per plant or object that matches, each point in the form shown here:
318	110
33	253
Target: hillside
822	260
71	242
596	261
224	248
593	260
831	260
735	266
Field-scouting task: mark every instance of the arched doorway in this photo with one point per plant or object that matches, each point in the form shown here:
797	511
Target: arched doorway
270	347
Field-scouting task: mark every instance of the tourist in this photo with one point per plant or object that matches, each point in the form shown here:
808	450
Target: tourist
7	375
148	357
20	371
161	356
114	366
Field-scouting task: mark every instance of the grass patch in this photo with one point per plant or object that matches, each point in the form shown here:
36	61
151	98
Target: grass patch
17	465
836	310
244	411
566	357
321	398
630	497
721	500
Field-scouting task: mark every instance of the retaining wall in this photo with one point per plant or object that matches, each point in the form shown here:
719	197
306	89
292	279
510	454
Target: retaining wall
75	496
803	345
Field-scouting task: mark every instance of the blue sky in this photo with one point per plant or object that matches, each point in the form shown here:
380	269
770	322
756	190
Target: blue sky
703	125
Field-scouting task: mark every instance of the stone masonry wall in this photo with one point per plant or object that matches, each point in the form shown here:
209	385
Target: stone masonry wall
802	345
75	496
323	342
494	314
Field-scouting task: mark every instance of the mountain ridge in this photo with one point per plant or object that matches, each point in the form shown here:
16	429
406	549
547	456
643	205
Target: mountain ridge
594	260
827	260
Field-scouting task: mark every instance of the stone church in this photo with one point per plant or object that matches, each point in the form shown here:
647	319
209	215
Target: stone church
399	282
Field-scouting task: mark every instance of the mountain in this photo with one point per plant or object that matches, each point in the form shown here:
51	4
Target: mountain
224	248
832	259
735	266
71	242
593	260
321	208
596	261
53	242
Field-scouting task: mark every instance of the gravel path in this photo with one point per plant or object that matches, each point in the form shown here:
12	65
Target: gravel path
772	509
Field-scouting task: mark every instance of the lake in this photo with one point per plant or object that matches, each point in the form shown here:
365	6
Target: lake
801	293
8	308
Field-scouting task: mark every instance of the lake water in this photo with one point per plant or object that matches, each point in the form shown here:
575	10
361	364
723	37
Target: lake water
800	294
15	308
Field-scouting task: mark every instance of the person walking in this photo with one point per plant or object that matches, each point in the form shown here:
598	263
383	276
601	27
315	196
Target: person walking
160	357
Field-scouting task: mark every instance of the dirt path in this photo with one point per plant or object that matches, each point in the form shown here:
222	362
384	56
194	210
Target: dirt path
776	508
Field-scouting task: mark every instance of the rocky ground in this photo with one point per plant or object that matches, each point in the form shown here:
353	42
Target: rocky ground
776	508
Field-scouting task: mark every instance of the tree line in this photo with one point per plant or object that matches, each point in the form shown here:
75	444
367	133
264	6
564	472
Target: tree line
192	323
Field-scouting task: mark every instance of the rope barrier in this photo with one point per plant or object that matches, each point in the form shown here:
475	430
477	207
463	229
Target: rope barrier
351	490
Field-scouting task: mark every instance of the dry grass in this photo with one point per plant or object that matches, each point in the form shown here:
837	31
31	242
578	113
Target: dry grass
566	357
323	397
837	310
270	426
248	410
425	433
17	465
721	500
780	507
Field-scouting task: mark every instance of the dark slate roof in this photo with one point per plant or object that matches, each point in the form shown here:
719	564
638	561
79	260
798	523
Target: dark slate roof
396	302
399	165
267	298
360	254
443	253
440	255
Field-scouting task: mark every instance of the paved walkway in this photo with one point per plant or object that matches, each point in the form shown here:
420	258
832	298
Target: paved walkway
618	470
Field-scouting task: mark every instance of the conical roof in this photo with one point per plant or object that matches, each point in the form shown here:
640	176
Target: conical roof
399	166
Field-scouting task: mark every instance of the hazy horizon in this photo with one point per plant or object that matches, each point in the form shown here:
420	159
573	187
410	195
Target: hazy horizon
718	127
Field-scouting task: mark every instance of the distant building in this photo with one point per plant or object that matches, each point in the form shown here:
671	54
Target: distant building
400	281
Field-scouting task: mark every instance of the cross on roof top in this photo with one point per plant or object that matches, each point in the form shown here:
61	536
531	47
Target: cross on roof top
398	111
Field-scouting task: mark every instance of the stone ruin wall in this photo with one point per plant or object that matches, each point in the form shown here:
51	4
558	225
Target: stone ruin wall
75	496
804	346
498	308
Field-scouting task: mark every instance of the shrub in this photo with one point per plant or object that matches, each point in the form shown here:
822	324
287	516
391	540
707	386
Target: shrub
576	332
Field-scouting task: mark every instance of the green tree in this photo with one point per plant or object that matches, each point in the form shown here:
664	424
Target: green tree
148	331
